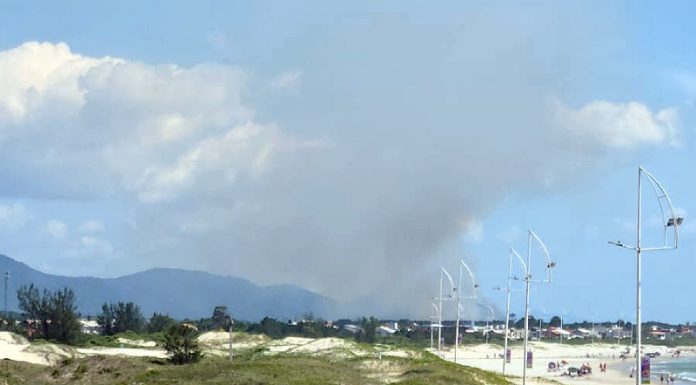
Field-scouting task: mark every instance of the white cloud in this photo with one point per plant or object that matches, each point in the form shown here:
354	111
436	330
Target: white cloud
91	226
625	125
89	247
13	217
473	231
147	131
287	80
55	229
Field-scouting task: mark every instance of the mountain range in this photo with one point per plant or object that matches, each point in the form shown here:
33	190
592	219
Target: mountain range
180	293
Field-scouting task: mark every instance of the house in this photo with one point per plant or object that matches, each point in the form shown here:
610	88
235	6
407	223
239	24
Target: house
89	326
384	331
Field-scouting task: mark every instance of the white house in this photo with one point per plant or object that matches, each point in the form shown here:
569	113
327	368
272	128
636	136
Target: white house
89	326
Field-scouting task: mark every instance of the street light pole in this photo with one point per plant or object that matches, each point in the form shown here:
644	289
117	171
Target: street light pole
513	253
433	318
462	265
231	324
526	316
561	334
443	273
670	221
489	318
439	319
7	278
639	372
528	279
507	314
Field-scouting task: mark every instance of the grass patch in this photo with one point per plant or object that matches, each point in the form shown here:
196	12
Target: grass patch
252	369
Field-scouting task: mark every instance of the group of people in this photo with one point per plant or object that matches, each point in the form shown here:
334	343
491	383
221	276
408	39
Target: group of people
603	367
666	377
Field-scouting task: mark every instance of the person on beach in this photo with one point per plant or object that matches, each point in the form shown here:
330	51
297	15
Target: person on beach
662	378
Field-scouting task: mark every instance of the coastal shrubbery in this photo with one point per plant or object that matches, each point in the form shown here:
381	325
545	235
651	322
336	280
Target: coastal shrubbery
181	344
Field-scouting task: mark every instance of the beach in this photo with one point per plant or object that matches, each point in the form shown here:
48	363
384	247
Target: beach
484	356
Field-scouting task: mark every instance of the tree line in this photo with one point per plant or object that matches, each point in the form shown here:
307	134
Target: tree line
52	315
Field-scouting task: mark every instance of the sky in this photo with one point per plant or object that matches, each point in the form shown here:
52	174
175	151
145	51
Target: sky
353	148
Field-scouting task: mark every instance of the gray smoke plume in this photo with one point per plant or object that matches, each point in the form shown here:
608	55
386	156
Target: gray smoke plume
351	174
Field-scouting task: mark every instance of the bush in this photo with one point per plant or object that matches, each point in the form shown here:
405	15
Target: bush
181	344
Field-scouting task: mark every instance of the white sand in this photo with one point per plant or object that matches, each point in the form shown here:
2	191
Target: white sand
141	343
17	348
125	352
485	357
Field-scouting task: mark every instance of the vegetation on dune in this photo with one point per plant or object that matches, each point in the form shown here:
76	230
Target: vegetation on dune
181	343
49	315
250	369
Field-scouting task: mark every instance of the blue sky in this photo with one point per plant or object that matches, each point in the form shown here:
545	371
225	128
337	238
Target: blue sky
350	147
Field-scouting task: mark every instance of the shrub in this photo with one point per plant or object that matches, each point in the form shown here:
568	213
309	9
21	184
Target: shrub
181	344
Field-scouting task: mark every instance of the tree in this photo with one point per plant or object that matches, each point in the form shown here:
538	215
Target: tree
127	317
520	322
49	315
273	328
181	344
106	320
555	321
121	317
159	322
221	317
369	330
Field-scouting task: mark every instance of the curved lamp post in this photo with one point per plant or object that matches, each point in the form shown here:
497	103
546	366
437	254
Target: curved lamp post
433	318
511	277
532	238
453	289
474	286
671	221
489	317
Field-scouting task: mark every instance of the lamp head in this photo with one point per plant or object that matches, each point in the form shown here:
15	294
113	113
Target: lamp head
551	265
675	221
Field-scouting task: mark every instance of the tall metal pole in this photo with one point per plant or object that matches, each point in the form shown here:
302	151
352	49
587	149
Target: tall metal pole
7	278
456	331
231	324
526	311
592	334
433	319
439	320
561	334
638	322
507	314
432	338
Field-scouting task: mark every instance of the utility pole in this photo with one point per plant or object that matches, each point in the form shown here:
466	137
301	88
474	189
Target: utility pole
7	278
231	324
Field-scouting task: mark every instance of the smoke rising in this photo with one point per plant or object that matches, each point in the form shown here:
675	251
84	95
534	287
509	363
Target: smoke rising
396	138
